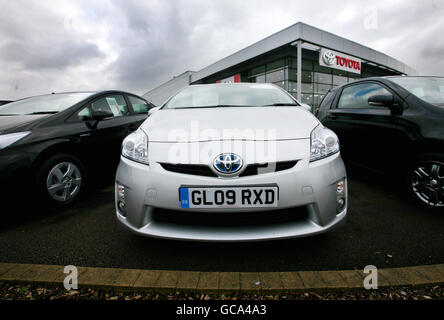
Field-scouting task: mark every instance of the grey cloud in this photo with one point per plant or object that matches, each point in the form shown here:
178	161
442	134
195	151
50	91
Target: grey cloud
52	55
155	45
143	43
433	51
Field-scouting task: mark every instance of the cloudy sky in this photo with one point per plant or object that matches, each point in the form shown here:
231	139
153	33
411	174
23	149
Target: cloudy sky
51	46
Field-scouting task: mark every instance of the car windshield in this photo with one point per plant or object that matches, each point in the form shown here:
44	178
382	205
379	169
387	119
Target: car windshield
233	95
430	90
52	103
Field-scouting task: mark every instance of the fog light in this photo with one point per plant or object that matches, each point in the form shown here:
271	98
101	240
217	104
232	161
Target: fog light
121	199
340	202
121	205
340	196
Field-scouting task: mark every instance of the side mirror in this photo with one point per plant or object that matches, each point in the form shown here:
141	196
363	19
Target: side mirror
152	110
306	107
99	115
385	100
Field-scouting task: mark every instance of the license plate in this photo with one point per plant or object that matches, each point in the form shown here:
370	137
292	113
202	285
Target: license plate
228	197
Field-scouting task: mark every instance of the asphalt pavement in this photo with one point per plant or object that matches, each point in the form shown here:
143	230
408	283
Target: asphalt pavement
383	229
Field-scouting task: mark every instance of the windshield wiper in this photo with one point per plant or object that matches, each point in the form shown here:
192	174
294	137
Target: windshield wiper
44	112
281	104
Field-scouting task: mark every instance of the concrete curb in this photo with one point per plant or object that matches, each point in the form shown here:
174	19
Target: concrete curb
219	282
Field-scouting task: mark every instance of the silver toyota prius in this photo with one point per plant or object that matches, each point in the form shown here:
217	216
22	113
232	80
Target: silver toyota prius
231	162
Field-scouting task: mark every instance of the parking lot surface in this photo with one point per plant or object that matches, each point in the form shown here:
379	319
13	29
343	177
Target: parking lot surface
383	229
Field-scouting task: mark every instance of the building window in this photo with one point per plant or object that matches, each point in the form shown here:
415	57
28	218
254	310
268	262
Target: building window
307	87
292	74
307	76
322	78
292	87
281	84
257	70
322	88
275	76
259	79
339	80
307	98
275	64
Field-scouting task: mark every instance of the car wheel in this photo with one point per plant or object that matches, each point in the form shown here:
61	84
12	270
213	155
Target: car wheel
61	179
426	182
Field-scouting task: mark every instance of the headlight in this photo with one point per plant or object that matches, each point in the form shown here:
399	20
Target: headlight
324	143
8	139
135	147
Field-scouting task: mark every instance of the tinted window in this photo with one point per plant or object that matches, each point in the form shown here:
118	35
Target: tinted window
114	103
139	106
84	114
356	97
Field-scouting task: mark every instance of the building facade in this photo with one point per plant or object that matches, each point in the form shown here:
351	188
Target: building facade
326	60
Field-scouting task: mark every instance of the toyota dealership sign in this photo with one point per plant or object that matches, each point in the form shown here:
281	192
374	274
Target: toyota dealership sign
341	61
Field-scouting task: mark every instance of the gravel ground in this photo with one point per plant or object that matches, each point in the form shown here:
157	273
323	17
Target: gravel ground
10	291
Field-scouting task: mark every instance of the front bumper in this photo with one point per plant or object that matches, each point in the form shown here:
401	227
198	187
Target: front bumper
308	185
15	171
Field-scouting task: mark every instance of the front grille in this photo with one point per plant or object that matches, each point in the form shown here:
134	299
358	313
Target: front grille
194	169
253	169
204	170
231	219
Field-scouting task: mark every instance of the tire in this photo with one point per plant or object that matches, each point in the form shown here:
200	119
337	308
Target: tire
60	180
425	181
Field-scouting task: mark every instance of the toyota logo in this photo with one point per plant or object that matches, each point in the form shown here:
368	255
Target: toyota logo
329	57
228	163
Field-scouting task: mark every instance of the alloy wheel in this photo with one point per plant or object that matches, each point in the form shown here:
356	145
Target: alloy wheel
64	181
427	183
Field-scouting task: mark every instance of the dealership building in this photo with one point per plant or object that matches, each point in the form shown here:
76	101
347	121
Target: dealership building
302	59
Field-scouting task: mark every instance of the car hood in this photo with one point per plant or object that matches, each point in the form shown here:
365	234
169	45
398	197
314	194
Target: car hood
11	123
249	123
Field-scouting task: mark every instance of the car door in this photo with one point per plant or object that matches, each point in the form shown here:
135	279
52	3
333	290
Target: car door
139	110
103	139
368	134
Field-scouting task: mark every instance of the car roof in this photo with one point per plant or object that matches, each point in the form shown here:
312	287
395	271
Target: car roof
92	93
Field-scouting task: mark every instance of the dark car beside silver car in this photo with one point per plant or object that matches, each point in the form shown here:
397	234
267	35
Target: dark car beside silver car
51	144
394	125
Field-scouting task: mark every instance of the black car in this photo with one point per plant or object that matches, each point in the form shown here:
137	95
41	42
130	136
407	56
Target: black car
395	125
55	142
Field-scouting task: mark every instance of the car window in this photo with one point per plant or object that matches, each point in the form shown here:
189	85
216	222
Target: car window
113	103
50	103
356	96
84	114
235	95
139	106
430	90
